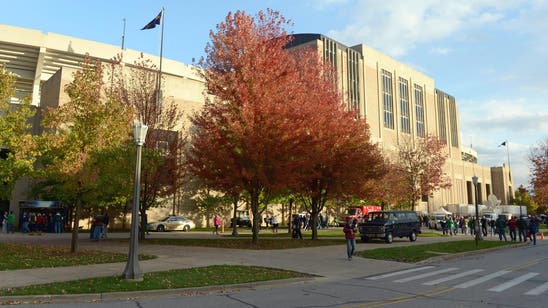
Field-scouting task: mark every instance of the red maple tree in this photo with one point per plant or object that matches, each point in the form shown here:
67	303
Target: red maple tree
341	157
252	132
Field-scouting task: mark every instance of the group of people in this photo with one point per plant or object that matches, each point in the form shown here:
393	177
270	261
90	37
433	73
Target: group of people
99	227
36	222
525	227
272	221
8	222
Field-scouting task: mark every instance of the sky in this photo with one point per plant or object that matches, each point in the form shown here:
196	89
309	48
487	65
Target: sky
491	55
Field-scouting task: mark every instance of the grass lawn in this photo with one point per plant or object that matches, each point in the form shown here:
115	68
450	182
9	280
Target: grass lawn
245	242
186	278
415	253
19	256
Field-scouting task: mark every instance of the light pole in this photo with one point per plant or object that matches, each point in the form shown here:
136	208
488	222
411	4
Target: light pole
519	204
477	223
133	270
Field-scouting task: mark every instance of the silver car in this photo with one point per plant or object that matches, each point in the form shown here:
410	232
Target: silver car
172	223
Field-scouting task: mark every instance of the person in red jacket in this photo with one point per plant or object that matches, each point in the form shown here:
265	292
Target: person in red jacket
350	230
512	228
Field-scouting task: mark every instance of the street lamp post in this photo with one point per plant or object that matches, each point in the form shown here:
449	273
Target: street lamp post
477	223
133	270
519	204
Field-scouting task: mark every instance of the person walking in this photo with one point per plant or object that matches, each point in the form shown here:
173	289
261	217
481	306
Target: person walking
297	227
106	221
97	228
521	224
274	222
57	222
25	223
533	229
216	223
501	228
483	222
5	223
11	222
512	228
350	230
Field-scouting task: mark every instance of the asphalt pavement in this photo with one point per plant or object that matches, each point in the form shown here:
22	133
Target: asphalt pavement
325	262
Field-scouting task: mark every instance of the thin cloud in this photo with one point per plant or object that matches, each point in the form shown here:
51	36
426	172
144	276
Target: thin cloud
400	25
440	51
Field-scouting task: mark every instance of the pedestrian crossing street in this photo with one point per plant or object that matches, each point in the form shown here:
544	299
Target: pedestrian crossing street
430	276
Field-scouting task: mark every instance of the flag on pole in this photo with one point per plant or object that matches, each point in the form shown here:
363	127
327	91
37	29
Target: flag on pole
152	24
503	144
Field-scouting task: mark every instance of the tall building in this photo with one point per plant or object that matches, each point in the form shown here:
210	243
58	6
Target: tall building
401	104
398	102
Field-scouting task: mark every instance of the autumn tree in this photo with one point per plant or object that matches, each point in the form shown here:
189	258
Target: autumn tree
78	133
341	157
389	190
539	172
421	163
136	87
522	197
251	135
17	144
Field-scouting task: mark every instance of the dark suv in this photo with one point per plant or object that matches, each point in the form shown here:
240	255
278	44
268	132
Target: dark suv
387	225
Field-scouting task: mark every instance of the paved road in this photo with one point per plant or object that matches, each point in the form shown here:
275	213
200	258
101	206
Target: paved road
342	283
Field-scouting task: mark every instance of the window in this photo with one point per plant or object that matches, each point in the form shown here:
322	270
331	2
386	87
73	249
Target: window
163	147
442	123
453	122
419	111
353	80
387	98
330	51
404	106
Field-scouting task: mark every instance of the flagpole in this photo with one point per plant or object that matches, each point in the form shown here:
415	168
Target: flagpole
159	84
124	34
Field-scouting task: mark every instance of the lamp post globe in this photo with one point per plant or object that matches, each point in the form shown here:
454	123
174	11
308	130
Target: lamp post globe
133	269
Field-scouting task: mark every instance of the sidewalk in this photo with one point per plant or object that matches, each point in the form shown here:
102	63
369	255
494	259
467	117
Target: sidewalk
328	262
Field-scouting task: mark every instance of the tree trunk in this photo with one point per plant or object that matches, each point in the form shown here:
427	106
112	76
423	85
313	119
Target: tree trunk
76	226
143	223
256	219
314	217
290	228
234	219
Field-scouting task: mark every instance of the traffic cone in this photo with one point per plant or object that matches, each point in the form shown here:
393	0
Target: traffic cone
542	236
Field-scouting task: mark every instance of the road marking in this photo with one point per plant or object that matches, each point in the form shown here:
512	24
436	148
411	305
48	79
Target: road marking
434	282
512	282
399	273
427	274
481	279
538	290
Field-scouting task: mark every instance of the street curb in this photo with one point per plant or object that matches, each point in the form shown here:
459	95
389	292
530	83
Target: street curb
133	295
467	253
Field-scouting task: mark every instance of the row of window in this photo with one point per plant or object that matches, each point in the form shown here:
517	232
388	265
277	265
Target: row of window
405	110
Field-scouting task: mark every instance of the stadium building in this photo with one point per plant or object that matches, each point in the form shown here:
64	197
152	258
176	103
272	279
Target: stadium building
399	102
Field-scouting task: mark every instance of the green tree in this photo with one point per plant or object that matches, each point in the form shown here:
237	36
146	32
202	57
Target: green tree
18	149
523	197
79	137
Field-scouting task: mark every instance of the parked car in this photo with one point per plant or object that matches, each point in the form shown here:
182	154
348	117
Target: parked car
435	221
242	219
172	223
389	224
